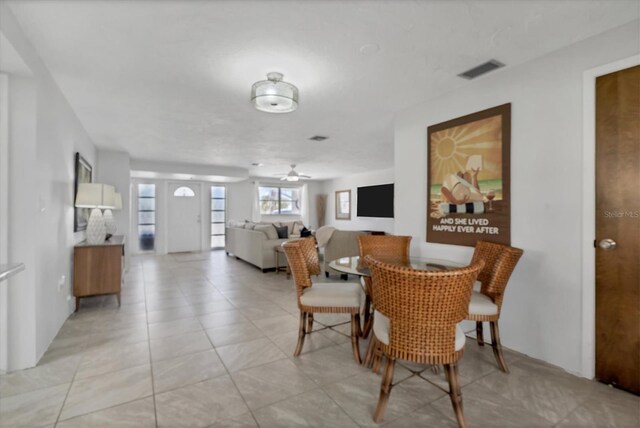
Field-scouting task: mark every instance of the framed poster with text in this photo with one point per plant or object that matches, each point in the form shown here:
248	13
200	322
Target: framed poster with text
468	179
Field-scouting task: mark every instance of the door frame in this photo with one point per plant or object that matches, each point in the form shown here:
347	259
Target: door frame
4	216
588	363
169	195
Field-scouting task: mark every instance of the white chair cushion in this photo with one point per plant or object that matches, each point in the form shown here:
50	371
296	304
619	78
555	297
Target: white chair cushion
381	327
330	294
482	305
381	330
460	338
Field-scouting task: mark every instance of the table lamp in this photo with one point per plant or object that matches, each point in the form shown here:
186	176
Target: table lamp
95	196
109	221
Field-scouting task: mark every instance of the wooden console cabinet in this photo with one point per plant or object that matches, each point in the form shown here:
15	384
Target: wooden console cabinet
97	269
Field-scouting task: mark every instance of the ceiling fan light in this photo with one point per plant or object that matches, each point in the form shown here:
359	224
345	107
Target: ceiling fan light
273	95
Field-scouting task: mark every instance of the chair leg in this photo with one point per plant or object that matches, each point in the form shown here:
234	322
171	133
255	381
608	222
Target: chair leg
355	334
301	334
368	358
479	333
309	323
497	346
377	357
385	390
368	318
455	393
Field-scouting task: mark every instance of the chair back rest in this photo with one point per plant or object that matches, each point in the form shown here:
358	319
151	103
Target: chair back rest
500	261
384	246
309	247
423	308
301	262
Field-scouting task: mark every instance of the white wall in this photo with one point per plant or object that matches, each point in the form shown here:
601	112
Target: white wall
43	138
114	168
352	182
21	290
240	200
541	315
182	171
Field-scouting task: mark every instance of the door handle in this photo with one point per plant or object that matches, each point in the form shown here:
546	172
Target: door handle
607	244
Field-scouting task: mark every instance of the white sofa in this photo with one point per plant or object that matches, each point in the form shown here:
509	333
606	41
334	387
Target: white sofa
253	246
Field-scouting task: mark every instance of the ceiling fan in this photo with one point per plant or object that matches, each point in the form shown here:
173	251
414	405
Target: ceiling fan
293	175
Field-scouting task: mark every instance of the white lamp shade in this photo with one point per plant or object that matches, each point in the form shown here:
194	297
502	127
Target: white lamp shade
117	201
108	196
95	195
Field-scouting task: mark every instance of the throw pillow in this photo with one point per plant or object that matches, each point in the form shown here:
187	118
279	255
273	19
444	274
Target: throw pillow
283	232
272	233
297	228
289	225
268	230
305	233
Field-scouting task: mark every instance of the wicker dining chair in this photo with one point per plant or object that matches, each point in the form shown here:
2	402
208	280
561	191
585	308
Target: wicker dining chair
322	297
417	317
499	262
379	246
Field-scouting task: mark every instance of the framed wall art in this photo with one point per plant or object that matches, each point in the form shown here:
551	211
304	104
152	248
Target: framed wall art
343	205
468	178
83	175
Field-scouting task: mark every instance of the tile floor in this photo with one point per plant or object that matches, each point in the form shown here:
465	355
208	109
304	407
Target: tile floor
204	340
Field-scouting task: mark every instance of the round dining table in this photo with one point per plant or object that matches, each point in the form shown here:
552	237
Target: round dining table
352	266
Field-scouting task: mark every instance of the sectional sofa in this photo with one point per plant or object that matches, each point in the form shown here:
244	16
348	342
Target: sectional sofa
255	242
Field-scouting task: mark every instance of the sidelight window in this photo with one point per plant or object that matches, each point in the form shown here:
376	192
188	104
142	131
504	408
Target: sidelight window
146	217
218	216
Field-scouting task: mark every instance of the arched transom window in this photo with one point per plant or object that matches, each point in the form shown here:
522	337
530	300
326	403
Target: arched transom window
184	192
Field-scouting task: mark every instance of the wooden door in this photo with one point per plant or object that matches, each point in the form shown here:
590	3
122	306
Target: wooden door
618	220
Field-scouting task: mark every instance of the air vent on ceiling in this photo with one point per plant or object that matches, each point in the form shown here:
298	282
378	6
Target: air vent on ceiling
318	138
481	69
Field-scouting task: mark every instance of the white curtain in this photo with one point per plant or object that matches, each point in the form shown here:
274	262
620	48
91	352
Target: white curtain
304	209
255	207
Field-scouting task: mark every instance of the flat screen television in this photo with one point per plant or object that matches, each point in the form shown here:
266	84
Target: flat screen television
375	201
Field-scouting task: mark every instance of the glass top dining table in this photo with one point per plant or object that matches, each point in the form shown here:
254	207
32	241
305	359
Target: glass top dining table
352	266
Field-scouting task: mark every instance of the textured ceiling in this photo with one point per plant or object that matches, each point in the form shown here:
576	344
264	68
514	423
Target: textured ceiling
170	80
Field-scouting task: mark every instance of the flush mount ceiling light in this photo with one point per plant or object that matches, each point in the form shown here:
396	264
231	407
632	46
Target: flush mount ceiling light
273	95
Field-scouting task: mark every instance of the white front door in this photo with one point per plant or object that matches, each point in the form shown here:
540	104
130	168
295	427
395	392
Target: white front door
184	223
